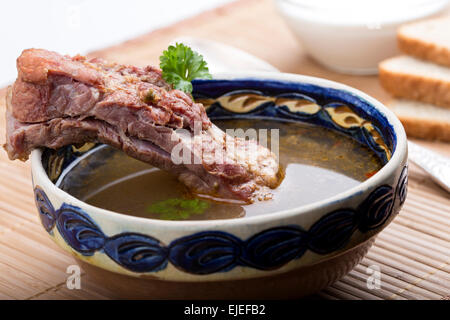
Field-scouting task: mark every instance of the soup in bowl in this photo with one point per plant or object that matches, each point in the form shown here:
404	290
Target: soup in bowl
134	227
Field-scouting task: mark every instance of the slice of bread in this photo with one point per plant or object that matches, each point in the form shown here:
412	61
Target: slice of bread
411	78
429	40
422	120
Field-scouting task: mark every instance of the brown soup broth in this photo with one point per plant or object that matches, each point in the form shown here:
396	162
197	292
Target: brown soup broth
318	163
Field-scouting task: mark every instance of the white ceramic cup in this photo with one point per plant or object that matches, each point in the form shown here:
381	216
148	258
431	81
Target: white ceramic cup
351	36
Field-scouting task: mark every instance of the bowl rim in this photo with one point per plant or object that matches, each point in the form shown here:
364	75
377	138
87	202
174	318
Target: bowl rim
387	170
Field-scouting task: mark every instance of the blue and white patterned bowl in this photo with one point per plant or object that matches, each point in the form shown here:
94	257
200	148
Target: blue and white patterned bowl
261	246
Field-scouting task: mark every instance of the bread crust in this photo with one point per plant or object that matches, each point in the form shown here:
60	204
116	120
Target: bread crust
426	129
419	87
422	49
415	87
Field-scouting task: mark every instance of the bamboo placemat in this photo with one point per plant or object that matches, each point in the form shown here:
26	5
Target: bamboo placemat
413	253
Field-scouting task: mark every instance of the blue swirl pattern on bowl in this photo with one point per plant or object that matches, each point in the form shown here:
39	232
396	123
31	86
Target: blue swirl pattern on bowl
324	98
216	251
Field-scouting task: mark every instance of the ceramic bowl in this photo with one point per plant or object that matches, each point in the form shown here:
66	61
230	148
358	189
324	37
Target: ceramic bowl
295	252
351	36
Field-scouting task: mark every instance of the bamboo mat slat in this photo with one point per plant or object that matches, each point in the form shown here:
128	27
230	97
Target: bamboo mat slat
413	253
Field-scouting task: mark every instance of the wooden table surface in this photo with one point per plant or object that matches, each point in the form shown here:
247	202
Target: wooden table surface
413	252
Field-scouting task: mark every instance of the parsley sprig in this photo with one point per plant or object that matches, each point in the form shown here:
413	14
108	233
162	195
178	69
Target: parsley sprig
178	209
180	65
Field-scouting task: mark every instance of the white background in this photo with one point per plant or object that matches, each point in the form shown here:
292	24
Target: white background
79	26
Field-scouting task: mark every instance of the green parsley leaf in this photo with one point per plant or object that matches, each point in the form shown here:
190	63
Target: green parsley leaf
178	209
180	65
